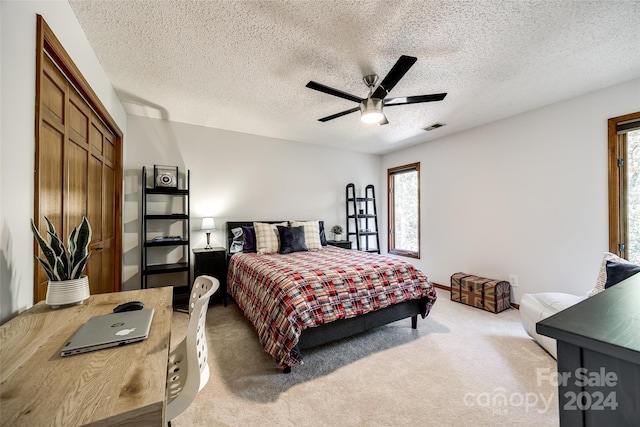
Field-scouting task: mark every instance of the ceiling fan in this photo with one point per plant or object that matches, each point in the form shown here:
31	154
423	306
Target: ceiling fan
371	106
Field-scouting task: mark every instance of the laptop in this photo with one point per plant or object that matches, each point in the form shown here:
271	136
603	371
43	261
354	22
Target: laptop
110	330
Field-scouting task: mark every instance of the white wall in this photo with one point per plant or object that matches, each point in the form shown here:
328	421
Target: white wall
236	177
18	39
525	195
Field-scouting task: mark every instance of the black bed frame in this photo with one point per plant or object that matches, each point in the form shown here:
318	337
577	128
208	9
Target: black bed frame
344	328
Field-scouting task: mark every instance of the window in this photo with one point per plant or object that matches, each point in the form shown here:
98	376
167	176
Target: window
404	210
624	186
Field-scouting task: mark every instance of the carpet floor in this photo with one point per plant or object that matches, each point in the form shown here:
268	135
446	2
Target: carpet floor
462	367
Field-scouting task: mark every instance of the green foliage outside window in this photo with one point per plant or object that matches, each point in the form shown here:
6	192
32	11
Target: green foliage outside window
406	211
633	199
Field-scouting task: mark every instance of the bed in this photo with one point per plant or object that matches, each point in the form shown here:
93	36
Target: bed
302	299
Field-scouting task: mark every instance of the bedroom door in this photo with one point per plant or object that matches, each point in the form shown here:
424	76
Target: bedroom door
78	165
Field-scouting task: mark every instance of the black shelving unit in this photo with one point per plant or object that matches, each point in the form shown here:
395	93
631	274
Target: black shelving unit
362	219
165	221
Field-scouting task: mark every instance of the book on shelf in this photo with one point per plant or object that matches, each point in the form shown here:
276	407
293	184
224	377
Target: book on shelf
166	239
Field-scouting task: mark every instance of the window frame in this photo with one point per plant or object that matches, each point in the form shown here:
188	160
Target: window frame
618	186
391	211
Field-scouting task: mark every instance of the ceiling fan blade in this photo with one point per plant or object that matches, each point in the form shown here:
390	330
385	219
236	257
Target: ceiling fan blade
331	91
395	74
413	99
340	114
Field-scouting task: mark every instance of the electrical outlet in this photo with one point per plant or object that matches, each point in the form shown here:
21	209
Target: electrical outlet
513	279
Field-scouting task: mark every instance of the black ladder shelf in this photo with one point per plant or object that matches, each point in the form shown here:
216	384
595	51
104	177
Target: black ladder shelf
161	221
362	219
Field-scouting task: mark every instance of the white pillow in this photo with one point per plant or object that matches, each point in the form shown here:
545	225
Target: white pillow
267	237
311	233
602	275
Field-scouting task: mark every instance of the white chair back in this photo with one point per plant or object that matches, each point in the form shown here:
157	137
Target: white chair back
188	370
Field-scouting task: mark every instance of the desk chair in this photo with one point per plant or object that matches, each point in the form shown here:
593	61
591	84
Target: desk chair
188	370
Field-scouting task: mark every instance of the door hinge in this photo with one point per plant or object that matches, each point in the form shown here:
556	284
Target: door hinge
620	163
621	247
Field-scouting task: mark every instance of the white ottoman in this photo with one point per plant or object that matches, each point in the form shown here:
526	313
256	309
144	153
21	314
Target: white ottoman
535	307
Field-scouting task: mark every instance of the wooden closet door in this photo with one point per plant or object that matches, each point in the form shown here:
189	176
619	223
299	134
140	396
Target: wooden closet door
91	189
78	168
101	208
49	160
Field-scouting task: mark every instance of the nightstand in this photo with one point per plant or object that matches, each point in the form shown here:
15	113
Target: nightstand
345	244
212	262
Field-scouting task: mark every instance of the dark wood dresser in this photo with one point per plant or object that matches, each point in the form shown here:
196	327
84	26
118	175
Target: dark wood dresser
599	357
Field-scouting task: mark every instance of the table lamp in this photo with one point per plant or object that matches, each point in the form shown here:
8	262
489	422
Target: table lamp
208	224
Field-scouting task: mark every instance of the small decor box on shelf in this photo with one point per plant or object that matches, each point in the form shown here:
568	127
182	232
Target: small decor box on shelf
480	292
165	176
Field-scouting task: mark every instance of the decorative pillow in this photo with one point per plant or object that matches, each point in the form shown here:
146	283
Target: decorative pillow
619	271
248	239
292	239
311	233
323	235
267	237
602	275
238	240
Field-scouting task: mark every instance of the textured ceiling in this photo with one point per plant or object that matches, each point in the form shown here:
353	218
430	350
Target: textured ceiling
243	65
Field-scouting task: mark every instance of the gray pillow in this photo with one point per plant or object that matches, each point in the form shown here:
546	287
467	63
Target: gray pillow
249	239
323	234
292	239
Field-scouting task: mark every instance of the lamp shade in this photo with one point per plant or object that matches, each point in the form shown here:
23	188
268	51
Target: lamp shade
208	224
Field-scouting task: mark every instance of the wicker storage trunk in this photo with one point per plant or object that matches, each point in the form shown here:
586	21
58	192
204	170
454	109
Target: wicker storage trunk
480	292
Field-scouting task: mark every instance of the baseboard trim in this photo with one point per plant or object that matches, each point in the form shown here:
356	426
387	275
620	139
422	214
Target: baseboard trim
438	285
448	288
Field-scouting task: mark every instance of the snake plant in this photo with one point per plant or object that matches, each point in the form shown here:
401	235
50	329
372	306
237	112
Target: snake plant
62	264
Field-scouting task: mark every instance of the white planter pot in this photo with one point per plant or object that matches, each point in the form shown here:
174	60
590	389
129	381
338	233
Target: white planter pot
67	291
337	237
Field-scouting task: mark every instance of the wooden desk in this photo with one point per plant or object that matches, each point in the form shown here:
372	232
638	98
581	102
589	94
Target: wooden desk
599	357
118	386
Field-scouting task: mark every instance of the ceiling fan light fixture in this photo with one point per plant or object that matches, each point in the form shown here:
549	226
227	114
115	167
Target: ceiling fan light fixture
371	110
371	107
372	117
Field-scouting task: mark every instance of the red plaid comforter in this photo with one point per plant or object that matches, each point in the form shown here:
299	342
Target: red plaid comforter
284	294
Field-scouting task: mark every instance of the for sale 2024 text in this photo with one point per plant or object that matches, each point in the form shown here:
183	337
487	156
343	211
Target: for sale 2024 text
596	400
